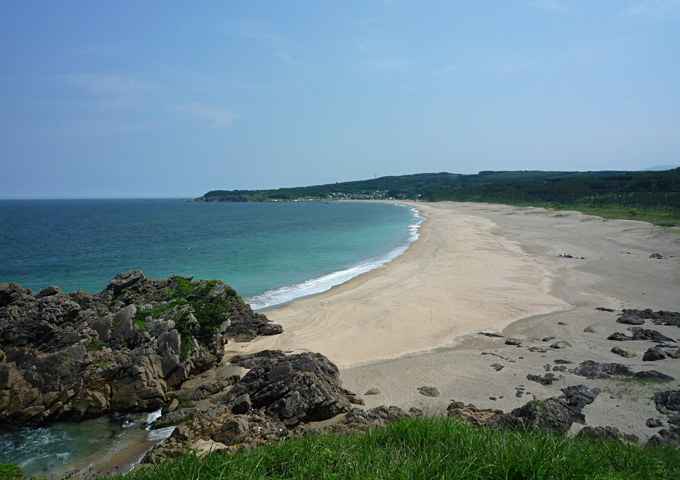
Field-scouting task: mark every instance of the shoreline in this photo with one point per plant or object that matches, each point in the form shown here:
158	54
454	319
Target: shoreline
525	271
347	274
438	272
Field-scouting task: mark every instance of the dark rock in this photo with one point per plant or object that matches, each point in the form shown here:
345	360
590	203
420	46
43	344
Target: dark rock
537	350
654	422
547	339
270	329
563	362
174	418
471	414
295	388
204	391
579	396
653	335
629	318
665	437
668	401
491	334
561	344
619	337
652	376
357	419
609	434
658	318
242	404
591	369
252	360
47	292
553	414
657	256
497	366
546	379
428	391
604	309
516	340
653	354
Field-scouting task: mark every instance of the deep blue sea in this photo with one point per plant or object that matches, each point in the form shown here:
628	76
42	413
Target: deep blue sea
270	253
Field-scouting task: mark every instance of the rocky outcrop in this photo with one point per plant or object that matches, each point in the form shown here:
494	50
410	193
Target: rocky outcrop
610	434
79	355
556	413
657	318
295	389
553	414
276	399
591	369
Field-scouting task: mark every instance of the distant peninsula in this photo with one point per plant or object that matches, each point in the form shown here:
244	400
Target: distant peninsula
652	196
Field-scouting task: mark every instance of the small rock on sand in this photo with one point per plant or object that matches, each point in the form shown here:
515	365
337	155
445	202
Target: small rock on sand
516	340
429	391
624	352
594	328
653	354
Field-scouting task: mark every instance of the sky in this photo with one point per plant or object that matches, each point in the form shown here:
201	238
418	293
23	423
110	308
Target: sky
173	99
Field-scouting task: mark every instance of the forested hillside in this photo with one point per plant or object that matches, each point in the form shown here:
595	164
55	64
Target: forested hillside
422	186
653	196
636	192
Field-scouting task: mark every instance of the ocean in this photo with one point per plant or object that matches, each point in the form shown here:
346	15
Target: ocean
270	253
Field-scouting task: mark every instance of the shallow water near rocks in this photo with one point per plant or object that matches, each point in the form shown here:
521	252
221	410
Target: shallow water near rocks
97	446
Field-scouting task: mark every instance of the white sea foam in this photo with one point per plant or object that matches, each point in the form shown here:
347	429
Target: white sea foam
321	284
152	417
159	434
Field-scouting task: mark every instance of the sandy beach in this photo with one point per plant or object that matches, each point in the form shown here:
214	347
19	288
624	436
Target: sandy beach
496	269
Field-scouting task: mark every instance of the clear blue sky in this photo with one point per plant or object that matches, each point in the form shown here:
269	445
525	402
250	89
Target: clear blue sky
172	99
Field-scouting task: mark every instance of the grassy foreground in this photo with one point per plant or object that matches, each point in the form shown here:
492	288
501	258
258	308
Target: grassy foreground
424	448
427	448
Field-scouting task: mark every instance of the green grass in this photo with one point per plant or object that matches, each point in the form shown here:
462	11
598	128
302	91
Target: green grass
656	217
427	448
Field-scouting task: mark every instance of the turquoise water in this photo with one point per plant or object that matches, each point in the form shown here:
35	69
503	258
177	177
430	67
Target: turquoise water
86	449
270	253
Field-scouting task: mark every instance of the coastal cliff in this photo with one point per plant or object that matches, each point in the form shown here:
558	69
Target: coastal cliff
79	355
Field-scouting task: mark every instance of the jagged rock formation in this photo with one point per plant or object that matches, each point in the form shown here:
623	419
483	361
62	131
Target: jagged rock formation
555	413
79	355
277	398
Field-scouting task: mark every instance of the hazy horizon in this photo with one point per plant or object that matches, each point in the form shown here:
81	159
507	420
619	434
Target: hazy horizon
146	100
